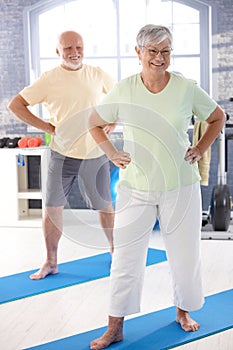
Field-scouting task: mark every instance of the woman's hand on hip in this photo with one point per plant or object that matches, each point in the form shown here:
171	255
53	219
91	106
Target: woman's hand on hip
193	155
121	159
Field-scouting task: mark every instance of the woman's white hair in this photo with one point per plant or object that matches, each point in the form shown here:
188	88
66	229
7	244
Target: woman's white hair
153	33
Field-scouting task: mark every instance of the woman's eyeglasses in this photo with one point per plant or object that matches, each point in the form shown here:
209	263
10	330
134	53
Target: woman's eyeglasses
155	52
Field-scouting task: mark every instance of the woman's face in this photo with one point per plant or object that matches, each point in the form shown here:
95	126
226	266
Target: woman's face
155	57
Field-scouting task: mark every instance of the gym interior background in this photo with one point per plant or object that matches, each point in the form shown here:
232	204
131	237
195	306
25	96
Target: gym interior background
69	311
20	58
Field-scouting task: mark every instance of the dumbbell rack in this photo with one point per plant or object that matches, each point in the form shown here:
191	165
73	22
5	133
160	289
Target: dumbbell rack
15	194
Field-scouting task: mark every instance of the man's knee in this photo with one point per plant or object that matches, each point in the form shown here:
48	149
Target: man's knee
108	210
53	213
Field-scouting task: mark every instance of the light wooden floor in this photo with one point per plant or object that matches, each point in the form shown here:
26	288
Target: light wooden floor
50	316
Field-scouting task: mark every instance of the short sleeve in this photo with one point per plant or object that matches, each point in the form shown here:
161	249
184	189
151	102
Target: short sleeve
36	92
203	104
108	81
109	107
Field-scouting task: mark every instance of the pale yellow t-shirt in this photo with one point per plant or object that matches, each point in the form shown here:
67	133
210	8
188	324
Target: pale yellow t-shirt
155	130
69	97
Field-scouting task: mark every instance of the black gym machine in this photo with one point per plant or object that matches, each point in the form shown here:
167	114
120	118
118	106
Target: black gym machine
219	213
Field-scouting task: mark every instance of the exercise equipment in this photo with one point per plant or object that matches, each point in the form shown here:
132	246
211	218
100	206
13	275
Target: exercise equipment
12	143
221	200
3	142
35	142
20	142
23	143
21	160
70	273
114	179
39	141
30	142
219	212
9	142
158	330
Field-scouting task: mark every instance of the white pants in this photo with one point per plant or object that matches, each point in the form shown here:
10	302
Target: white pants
179	214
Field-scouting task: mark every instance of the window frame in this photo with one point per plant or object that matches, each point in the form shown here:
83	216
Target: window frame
31	38
205	40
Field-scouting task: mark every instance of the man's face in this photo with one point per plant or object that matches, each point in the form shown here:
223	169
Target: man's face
70	49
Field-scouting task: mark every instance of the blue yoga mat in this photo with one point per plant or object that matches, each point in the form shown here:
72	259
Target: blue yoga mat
20	286
158	330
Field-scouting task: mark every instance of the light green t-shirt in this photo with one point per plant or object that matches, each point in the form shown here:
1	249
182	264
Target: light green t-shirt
69	97
155	130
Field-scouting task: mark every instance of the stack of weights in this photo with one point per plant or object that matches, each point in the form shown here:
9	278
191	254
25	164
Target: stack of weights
9	143
29	142
20	142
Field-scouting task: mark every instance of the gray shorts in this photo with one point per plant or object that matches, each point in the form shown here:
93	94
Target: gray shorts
93	180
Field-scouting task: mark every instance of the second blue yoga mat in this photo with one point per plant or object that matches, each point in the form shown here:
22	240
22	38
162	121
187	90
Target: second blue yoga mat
158	330
20	286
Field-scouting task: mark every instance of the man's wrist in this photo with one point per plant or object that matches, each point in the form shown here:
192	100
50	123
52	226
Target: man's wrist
50	128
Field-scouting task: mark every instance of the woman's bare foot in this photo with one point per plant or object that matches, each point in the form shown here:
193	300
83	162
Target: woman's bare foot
107	339
45	270
113	334
186	322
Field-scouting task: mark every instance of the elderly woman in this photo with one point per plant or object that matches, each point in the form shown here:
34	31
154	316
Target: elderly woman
158	178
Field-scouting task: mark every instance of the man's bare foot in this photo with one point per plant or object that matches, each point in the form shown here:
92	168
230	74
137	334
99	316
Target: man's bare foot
45	270
186	322
113	334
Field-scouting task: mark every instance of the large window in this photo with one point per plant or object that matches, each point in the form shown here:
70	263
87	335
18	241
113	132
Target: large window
109	28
